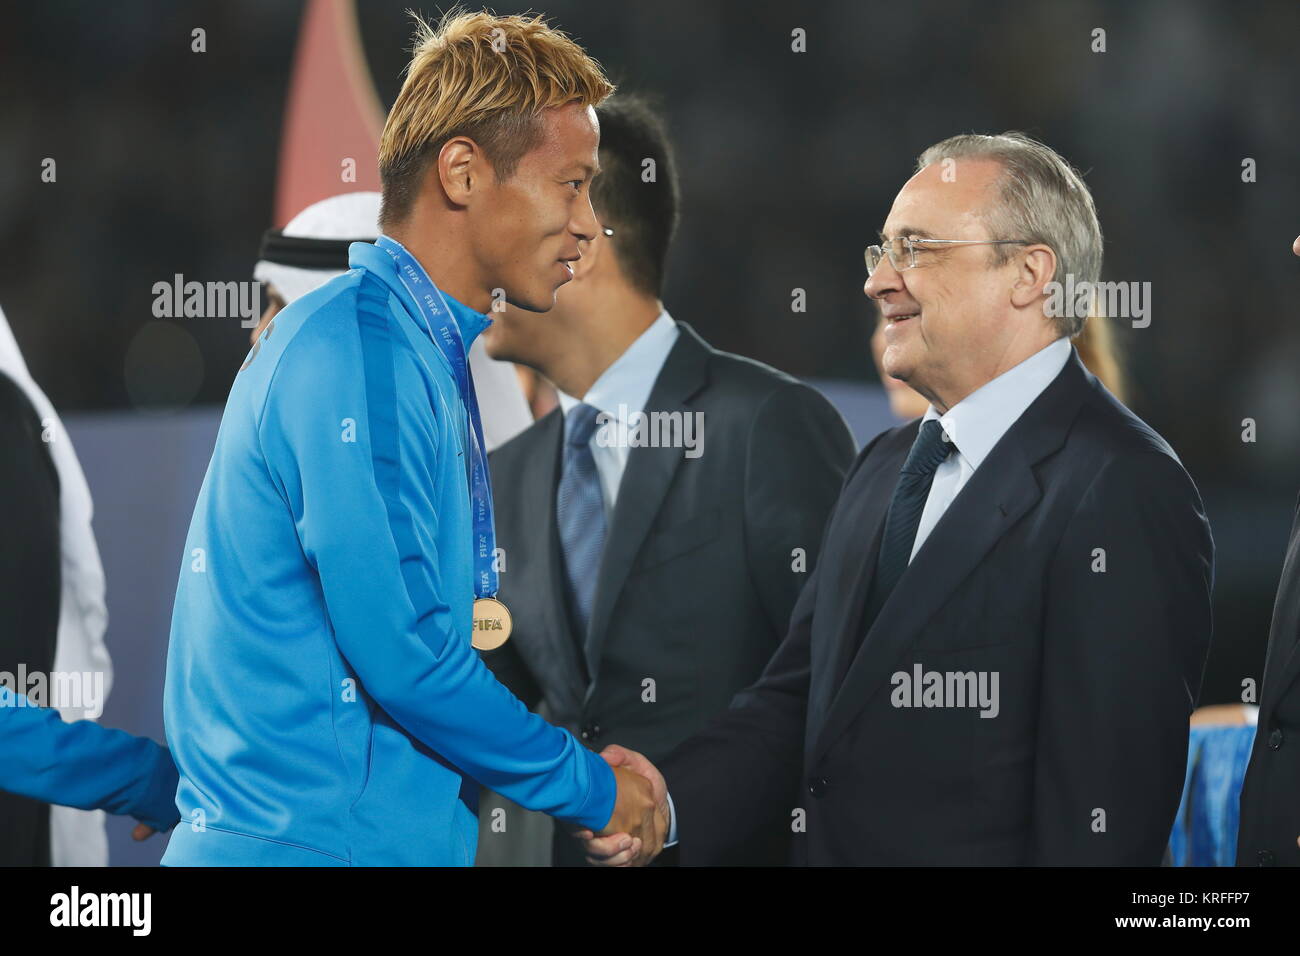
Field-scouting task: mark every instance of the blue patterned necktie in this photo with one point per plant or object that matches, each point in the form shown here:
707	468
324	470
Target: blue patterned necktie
905	508
580	514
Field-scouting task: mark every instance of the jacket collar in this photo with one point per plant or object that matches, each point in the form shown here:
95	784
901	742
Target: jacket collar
368	256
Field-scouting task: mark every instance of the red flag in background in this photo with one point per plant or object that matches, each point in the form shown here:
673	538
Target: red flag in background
333	117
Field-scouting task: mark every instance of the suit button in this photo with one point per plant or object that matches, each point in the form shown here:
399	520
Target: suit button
590	732
1265	858
817	786
1275	740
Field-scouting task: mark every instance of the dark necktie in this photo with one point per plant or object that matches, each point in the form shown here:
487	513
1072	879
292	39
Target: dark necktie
580	514
905	508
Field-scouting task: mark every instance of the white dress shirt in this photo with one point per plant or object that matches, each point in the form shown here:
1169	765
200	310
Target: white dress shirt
978	422
975	425
621	391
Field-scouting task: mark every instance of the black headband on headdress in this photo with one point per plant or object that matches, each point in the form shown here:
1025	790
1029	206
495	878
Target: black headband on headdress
305	253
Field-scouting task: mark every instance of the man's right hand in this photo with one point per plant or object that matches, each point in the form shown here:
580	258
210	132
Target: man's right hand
636	823
620	846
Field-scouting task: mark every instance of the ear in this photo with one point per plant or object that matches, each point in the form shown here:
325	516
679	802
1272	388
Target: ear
462	169
593	256
1035	266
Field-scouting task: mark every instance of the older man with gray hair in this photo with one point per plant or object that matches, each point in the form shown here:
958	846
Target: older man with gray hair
995	659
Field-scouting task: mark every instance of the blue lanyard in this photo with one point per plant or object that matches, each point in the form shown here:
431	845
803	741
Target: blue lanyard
445	335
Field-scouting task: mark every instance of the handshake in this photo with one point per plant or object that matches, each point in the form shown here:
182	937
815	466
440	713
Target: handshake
637	830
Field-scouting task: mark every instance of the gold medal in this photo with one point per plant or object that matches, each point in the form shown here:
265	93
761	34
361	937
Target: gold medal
492	624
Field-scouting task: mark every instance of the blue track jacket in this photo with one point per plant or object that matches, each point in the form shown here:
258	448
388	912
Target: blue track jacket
323	703
81	764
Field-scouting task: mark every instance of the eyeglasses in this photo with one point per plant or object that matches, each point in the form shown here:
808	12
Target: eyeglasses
902	250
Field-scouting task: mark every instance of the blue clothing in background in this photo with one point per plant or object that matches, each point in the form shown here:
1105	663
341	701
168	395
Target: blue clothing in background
323	702
81	764
1205	830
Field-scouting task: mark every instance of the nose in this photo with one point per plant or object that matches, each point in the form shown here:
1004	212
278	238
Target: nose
583	225
885	279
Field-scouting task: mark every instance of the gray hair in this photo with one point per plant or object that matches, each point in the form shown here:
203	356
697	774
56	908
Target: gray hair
1043	200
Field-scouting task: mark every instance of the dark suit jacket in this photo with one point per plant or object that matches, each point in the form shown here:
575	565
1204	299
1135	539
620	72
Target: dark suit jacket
1097	670
696	583
1270	796
29	591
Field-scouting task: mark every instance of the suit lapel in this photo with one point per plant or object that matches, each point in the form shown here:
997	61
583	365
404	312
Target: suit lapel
1282	659
1002	490
1286	674
851	566
646	479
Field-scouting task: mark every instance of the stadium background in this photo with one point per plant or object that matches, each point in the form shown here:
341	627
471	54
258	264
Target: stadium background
167	163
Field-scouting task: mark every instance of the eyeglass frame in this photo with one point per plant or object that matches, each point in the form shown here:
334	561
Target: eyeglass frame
910	245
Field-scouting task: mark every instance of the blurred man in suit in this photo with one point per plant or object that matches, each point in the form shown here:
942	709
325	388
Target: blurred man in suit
649	584
1270	795
995	660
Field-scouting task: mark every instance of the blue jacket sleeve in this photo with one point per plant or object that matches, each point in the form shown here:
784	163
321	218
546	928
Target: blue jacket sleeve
81	764
367	512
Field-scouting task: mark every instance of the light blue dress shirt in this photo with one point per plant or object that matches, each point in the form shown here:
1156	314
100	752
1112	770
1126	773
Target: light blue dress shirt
978	422
621	392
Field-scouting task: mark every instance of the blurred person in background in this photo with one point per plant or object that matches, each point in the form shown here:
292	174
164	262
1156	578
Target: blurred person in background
538	392
313	248
52	604
627	564
1099	353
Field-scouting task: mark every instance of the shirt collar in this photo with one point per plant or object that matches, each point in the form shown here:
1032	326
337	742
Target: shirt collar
368	256
624	387
978	421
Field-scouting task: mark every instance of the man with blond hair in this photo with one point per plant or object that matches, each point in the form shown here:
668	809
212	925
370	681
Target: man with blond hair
324	704
996	657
